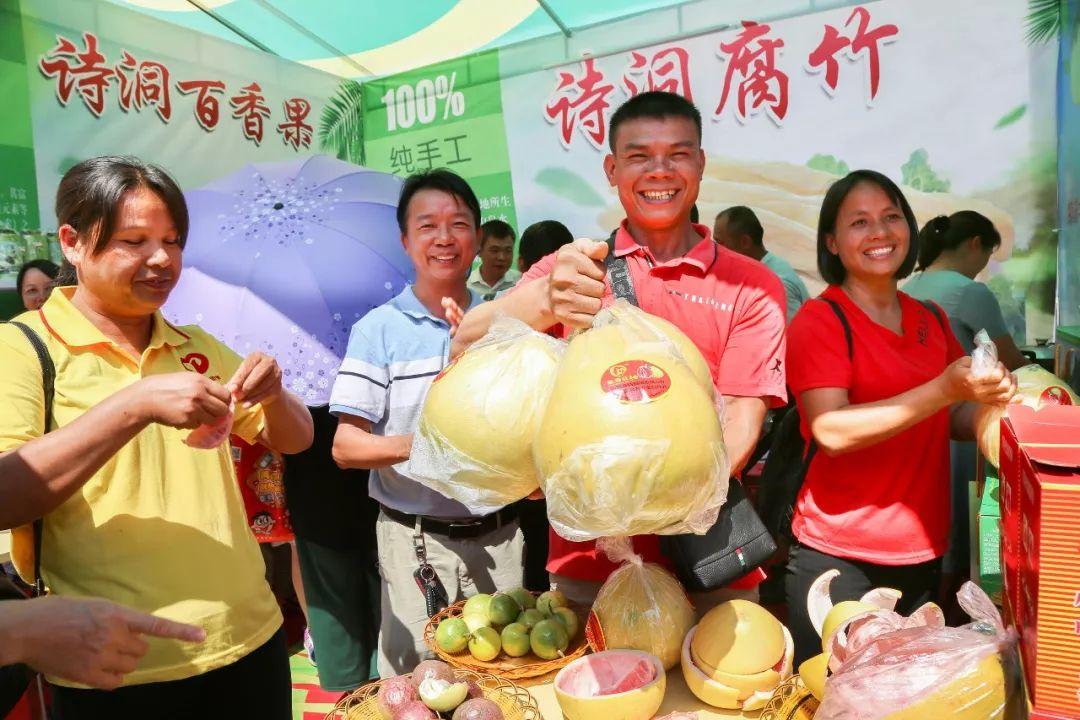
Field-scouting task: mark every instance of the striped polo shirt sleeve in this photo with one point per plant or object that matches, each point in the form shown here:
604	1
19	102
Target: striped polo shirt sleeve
363	382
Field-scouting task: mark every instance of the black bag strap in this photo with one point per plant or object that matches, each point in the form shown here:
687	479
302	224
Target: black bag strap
618	270
839	311
48	385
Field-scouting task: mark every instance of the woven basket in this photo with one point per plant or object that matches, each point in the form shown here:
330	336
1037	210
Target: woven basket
527	666
790	701
515	701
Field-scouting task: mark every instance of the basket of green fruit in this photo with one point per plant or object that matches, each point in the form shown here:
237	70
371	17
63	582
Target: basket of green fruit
436	691
514	635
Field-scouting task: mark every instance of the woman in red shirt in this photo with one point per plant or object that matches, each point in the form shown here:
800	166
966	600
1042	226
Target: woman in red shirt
875	502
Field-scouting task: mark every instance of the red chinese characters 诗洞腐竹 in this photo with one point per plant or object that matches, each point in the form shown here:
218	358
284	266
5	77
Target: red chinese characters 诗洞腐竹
864	42
142	84
580	103
752	57
668	71
84	71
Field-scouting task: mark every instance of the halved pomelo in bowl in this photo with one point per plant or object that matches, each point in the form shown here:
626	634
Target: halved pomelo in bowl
623	684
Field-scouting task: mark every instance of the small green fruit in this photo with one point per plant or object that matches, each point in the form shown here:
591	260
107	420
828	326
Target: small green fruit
548	639
452	635
476	621
525	599
550	600
569	620
485	644
503	610
477	605
530	617
515	640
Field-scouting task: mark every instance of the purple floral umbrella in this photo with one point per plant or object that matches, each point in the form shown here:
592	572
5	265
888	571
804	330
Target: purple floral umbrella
285	257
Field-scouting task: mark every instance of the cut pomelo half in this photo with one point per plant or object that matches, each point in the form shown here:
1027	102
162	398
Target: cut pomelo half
624	684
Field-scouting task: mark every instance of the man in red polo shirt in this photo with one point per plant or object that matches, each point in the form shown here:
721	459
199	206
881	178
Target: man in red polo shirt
730	306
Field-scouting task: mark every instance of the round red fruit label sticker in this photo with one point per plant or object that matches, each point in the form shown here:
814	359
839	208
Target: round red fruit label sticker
1054	395
635	381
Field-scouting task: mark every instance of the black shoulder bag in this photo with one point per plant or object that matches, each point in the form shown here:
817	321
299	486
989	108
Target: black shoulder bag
738	541
15	679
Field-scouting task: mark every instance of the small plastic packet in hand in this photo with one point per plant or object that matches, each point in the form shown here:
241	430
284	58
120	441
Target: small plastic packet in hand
210	436
984	358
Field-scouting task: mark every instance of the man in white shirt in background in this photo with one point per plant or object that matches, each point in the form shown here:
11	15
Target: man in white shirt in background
494	273
739	229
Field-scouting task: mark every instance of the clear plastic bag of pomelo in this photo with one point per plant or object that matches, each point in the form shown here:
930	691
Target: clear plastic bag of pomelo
964	673
631	443
474	439
1036	388
641	606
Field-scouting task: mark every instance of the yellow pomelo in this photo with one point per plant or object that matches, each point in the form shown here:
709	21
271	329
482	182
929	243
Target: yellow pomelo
485	408
639	703
840	615
644	323
739	638
747	685
814	672
734	692
630	442
975	696
643	607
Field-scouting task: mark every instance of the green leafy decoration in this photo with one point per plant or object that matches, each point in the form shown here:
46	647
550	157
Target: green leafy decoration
1012	116
829	164
341	127
1044	20
918	174
569	185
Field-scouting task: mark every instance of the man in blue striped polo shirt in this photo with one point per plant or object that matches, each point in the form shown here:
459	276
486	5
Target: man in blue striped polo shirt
395	351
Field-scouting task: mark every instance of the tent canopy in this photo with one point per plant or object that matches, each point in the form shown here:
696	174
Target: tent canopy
361	39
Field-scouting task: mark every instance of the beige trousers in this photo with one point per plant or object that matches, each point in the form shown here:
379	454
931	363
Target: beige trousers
483	564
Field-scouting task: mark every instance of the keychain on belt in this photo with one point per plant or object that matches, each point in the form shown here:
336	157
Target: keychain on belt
435	597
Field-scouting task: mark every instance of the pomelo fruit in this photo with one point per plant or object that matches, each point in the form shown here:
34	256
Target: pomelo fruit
609	685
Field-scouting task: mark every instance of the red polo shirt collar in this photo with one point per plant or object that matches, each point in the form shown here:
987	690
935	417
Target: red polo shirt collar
701	256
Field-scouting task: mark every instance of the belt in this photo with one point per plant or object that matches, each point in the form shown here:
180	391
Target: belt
456	529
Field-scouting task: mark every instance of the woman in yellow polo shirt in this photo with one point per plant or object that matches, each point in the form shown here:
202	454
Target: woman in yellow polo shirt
131	513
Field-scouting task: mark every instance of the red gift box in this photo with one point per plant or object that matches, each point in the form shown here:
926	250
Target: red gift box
1040	543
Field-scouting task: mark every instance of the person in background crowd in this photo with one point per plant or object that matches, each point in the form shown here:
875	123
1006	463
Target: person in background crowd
394	353
731	307
539	240
35	281
875	501
333	518
953	250
132	514
494	273
739	229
